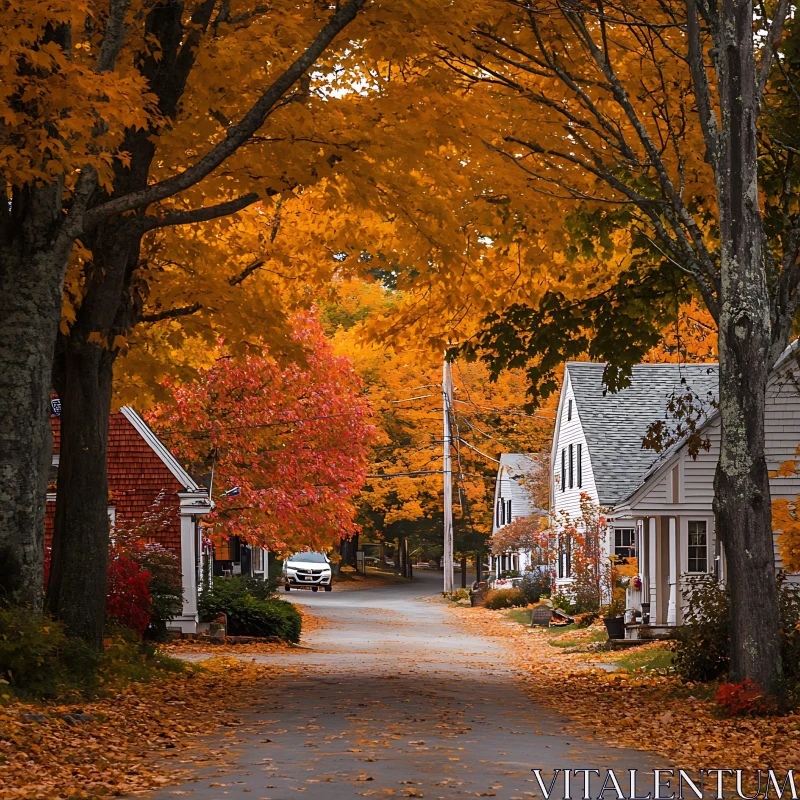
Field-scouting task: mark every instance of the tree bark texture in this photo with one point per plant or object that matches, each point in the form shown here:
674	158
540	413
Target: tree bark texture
742	501
33	262
76	591
83	375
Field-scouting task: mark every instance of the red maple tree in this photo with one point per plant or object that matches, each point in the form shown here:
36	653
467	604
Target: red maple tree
292	436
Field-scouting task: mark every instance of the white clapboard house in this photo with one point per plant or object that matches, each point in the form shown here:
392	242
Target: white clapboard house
512	500
658	506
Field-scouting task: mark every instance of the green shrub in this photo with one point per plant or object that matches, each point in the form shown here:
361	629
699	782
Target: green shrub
563	602
165	586
504	598
534	585
702	651
38	660
31	648
249	609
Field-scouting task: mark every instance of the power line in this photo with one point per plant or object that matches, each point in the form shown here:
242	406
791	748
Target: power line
511	412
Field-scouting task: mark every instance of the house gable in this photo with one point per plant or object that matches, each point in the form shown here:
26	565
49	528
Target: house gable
510	486
569	433
156	445
614	424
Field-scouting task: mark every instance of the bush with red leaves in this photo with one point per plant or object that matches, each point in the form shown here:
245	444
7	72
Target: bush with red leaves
741	699
128	594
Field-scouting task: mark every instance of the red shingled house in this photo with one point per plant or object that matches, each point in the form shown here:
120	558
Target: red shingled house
140	467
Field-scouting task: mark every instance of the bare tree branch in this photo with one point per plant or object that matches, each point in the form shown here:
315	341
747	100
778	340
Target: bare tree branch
702	94
172	313
236	135
248	270
199	214
771	46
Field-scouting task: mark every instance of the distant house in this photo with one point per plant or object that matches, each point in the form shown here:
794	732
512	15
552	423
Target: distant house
140	468
512	500
658	506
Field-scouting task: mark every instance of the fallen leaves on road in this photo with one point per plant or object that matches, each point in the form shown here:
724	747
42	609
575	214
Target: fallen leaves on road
643	711
127	741
186	646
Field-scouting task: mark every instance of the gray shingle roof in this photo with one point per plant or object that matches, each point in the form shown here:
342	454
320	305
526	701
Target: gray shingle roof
615	423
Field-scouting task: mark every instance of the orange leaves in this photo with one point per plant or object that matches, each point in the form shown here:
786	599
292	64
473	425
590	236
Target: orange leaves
636	709
52	99
786	522
109	754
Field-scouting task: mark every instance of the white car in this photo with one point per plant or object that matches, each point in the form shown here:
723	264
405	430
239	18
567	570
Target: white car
307	570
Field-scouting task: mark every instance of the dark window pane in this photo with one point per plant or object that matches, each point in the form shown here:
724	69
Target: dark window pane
697	546
625	542
571	466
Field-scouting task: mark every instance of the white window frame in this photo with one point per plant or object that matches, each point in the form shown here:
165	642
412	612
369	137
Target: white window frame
708	569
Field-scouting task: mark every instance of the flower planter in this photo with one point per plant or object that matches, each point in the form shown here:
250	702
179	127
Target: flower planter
615	627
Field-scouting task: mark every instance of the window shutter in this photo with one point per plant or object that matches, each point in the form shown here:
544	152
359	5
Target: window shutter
580	465
571	466
508	514
569	410
563	469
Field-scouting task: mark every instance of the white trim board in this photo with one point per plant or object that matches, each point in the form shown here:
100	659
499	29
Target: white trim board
156	445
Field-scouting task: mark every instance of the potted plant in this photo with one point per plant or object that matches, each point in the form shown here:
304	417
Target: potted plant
614	618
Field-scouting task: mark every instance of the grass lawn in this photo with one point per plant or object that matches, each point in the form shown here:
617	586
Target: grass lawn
647	659
521	615
594	636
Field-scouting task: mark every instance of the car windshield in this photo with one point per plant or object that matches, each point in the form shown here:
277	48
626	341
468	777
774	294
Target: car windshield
313	558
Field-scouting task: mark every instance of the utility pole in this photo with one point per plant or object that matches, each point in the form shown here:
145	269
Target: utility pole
447	474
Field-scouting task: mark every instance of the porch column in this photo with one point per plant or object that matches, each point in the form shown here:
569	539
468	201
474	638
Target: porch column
189	566
672	608
652	577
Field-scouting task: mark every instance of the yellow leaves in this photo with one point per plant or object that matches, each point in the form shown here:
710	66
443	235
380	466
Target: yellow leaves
786	522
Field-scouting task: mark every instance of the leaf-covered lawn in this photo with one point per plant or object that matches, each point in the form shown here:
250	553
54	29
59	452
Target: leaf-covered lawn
132	740
641	709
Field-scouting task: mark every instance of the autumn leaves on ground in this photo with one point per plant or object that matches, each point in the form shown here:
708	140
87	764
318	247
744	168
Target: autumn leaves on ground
641	704
182	726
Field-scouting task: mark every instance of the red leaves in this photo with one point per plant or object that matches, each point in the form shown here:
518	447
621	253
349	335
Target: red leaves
128	594
293	436
741	699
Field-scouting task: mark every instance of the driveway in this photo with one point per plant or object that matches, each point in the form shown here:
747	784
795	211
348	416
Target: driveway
394	698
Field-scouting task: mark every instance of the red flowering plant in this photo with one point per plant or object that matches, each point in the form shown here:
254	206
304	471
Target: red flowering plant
742	699
580	542
128	601
134	544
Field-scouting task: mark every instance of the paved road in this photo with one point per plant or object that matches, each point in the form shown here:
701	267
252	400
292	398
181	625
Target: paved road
394	698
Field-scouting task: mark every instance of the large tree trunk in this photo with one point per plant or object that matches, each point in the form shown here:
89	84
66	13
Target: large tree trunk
83	376
742	501
33	262
76	591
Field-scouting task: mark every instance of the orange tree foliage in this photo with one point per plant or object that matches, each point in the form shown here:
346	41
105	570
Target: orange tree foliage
403	496
293	436
119	119
785	518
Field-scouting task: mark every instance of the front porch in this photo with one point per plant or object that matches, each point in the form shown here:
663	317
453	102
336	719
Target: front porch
670	549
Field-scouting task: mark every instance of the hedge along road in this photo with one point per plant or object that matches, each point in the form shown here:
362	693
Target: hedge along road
395	698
